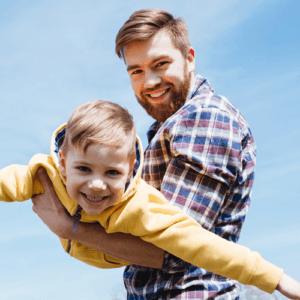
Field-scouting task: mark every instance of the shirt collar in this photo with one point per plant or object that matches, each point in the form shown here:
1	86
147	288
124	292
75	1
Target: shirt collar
199	81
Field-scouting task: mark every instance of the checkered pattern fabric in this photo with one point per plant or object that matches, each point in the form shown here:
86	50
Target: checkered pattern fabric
202	159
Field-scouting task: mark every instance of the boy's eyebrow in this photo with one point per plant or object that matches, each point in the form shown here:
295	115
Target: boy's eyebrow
136	66
81	162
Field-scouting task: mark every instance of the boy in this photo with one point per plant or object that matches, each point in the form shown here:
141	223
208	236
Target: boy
95	167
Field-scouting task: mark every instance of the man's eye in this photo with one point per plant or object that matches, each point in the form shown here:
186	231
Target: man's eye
113	172
83	169
160	64
136	72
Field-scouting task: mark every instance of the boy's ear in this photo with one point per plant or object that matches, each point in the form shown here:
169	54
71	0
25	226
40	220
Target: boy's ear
62	163
131	170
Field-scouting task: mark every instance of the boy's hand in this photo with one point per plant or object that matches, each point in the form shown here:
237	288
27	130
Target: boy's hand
289	287
49	208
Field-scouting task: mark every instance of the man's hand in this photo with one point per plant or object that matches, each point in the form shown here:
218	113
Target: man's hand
289	287
49	208
123	246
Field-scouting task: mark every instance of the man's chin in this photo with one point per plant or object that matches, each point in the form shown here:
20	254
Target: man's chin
161	114
160	110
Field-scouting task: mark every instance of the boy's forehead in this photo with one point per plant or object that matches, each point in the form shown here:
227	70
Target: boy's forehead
102	149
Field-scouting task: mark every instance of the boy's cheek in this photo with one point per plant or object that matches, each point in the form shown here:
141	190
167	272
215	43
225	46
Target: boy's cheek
120	194
62	170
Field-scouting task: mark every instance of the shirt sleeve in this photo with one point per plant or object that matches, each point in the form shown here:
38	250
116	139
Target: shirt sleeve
211	170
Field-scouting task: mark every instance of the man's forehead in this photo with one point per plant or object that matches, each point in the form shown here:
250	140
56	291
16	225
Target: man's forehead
156	47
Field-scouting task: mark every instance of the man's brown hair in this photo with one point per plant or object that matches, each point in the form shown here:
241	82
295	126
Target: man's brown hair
144	23
100	122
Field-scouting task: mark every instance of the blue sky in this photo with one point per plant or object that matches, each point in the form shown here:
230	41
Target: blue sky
55	55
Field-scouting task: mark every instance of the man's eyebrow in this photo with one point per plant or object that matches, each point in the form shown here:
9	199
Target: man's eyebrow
131	67
163	56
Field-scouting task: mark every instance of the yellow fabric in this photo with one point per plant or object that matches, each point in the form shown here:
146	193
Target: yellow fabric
144	212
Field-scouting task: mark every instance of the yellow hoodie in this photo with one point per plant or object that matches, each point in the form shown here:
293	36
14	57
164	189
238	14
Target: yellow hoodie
143	211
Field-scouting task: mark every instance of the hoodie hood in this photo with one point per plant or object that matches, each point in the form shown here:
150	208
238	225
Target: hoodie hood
131	186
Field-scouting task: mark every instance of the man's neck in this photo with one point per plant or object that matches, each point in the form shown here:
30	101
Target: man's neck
192	80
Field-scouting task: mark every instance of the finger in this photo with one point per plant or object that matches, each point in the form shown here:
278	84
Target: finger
44	179
34	199
33	207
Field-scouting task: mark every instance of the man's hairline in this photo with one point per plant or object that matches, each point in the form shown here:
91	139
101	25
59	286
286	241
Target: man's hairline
142	40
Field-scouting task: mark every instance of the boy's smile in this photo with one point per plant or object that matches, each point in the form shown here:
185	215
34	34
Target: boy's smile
96	179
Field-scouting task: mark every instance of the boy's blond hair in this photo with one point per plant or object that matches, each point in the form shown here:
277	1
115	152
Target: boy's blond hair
100	122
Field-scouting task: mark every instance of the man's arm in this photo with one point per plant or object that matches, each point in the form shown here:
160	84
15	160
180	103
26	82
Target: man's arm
119	245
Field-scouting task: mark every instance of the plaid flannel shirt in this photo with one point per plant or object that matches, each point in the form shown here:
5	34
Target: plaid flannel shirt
202	159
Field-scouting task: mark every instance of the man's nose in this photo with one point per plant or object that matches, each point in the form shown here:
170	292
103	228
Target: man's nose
152	79
97	184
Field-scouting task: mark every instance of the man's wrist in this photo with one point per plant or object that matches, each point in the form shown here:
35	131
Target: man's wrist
64	228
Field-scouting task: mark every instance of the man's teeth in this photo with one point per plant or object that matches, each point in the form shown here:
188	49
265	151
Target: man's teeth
94	199
156	95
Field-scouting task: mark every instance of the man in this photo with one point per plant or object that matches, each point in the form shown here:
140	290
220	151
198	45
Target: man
201	152
201	156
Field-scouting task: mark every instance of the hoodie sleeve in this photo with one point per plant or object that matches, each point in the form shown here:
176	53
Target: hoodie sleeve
151	217
19	182
91	256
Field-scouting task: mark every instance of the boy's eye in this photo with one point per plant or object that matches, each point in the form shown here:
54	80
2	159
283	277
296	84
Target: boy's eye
83	169
113	172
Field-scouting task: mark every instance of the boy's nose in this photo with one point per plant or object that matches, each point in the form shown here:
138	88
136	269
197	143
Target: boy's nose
97	184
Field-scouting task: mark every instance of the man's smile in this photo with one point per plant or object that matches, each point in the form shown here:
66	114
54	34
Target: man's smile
158	94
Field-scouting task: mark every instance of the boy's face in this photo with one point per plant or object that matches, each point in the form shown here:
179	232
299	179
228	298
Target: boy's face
96	179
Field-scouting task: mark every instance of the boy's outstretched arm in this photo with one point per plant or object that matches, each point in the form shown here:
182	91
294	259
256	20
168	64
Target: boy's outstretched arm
289	287
119	245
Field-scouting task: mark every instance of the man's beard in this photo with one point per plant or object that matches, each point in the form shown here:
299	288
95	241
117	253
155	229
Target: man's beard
163	111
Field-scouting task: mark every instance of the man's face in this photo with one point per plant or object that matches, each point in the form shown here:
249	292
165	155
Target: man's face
96	179
160	75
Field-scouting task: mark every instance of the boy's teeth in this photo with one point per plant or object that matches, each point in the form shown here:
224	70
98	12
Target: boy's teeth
94	199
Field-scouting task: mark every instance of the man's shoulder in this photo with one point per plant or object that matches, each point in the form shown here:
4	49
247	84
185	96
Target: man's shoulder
202	95
200	108
204	103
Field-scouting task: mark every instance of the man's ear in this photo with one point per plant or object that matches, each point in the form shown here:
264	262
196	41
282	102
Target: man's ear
62	163
191	60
